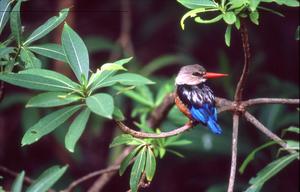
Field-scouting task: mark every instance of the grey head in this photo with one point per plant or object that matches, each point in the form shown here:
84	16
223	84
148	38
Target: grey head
191	75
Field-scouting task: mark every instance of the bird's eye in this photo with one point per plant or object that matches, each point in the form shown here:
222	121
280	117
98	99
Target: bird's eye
197	74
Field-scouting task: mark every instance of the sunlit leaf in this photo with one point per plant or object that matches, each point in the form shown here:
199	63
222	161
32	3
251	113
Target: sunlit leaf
254	16
126	139
228	35
229	17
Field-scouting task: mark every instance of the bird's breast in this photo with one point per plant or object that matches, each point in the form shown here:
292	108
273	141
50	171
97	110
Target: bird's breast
182	107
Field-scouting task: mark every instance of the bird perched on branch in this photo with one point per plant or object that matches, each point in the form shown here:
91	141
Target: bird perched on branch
195	99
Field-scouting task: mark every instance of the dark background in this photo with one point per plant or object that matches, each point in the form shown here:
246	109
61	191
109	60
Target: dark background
155	31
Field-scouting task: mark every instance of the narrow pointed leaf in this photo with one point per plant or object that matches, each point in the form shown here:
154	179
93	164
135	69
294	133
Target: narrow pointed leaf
126	139
30	59
137	170
126	162
150	165
254	16
52	99
5	6
47	179
76	129
193	4
15	22
269	171
76	52
48	124
228	35
47	27
40	79
128	79
102	104
17	185
101	75
51	50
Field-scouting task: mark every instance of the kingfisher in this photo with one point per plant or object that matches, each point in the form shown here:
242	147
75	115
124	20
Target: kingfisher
195	99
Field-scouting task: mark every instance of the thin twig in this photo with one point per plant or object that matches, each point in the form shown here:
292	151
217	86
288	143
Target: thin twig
139	134
241	84
89	176
257	101
235	128
266	131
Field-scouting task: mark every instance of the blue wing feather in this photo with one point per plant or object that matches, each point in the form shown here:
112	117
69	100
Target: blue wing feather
207	114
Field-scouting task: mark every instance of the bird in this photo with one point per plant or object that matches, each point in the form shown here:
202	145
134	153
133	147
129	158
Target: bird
194	98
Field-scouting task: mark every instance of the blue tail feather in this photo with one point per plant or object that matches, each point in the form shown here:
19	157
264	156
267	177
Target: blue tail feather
207	115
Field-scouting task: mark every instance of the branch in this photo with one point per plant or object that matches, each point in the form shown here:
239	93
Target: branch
241	84
257	101
139	134
266	131
91	175
235	128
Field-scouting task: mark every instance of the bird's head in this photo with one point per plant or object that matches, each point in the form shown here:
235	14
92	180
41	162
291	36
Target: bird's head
194	75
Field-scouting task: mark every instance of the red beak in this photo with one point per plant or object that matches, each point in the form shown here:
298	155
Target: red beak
209	75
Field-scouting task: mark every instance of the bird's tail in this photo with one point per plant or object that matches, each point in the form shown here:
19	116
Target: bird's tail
213	126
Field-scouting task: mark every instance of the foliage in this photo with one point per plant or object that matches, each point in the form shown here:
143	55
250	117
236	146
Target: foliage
233	12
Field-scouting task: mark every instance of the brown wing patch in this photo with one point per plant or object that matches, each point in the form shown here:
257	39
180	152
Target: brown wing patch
182	107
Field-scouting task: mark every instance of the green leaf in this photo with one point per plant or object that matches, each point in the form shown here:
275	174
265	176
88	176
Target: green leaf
76	129
253	4
291	144
135	96
254	16
290	3
102	104
251	155
228	35
229	17
269	171
291	129
237	23
181	142
48	124
98	78
76	52
150	164
29	59
4	14
15	22
40	79
193	4
118	115
47	179
112	67
47	27
129	79
17	185
125	163
52	99
207	21
126	139
51	50
137	169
